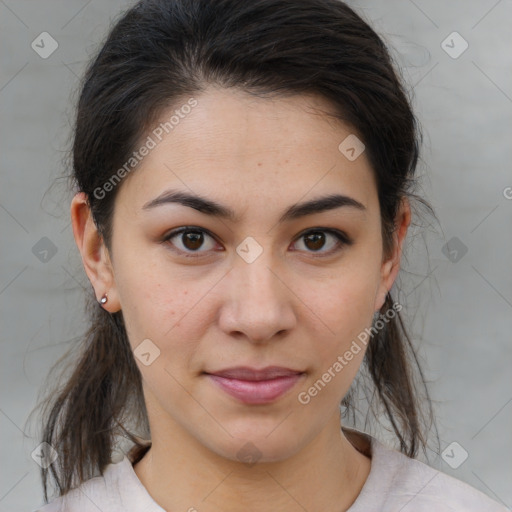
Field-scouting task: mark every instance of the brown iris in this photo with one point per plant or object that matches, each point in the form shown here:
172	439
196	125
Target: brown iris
194	240
318	239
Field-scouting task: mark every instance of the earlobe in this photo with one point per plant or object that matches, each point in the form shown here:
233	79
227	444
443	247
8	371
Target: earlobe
95	257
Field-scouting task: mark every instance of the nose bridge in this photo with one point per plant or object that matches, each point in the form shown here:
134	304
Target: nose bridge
254	261
259	280
255	270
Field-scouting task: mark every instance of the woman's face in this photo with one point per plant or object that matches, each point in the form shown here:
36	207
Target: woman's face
257	289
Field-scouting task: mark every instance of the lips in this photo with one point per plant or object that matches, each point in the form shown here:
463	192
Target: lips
247	373
253	386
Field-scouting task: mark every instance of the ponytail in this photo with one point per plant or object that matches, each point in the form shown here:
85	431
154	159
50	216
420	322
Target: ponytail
87	414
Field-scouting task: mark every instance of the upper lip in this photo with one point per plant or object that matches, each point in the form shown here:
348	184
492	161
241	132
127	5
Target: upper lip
248	373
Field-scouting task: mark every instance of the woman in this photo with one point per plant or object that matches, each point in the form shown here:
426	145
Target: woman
244	175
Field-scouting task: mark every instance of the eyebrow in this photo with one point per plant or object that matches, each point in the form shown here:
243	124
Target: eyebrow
296	211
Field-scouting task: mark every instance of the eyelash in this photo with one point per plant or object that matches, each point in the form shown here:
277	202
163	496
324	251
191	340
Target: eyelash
342	239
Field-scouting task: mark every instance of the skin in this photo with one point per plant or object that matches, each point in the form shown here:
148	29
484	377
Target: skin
257	156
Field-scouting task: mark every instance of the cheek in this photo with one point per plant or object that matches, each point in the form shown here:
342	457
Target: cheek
151	305
166	308
340	318
162	345
344	304
340	310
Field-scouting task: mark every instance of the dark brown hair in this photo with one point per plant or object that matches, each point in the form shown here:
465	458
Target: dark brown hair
161	51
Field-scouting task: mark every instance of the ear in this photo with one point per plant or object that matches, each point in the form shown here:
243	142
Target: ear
391	266
95	256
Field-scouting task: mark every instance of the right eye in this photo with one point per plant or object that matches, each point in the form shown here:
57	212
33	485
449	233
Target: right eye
189	239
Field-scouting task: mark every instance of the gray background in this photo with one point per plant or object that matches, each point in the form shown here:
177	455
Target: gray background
459	305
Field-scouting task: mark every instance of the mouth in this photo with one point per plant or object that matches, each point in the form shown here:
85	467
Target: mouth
252	386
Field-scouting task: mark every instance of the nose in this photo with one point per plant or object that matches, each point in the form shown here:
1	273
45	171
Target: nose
259	304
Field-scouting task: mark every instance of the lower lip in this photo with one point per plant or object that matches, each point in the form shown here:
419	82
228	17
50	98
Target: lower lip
256	392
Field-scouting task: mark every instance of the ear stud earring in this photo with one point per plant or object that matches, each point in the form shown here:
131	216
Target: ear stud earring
103	299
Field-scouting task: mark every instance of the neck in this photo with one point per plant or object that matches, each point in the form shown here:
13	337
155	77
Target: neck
326	475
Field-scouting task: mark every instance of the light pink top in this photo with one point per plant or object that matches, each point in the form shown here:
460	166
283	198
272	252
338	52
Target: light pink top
395	483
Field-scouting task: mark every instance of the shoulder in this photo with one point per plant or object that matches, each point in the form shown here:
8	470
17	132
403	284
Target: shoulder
82	498
98	493
426	488
397	482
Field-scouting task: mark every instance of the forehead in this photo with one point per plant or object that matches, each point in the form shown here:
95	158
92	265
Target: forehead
238	146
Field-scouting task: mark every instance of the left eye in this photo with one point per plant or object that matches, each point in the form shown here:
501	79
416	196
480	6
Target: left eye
192	239
315	240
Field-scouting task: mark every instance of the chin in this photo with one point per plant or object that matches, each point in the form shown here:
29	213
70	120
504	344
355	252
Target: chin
251	445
